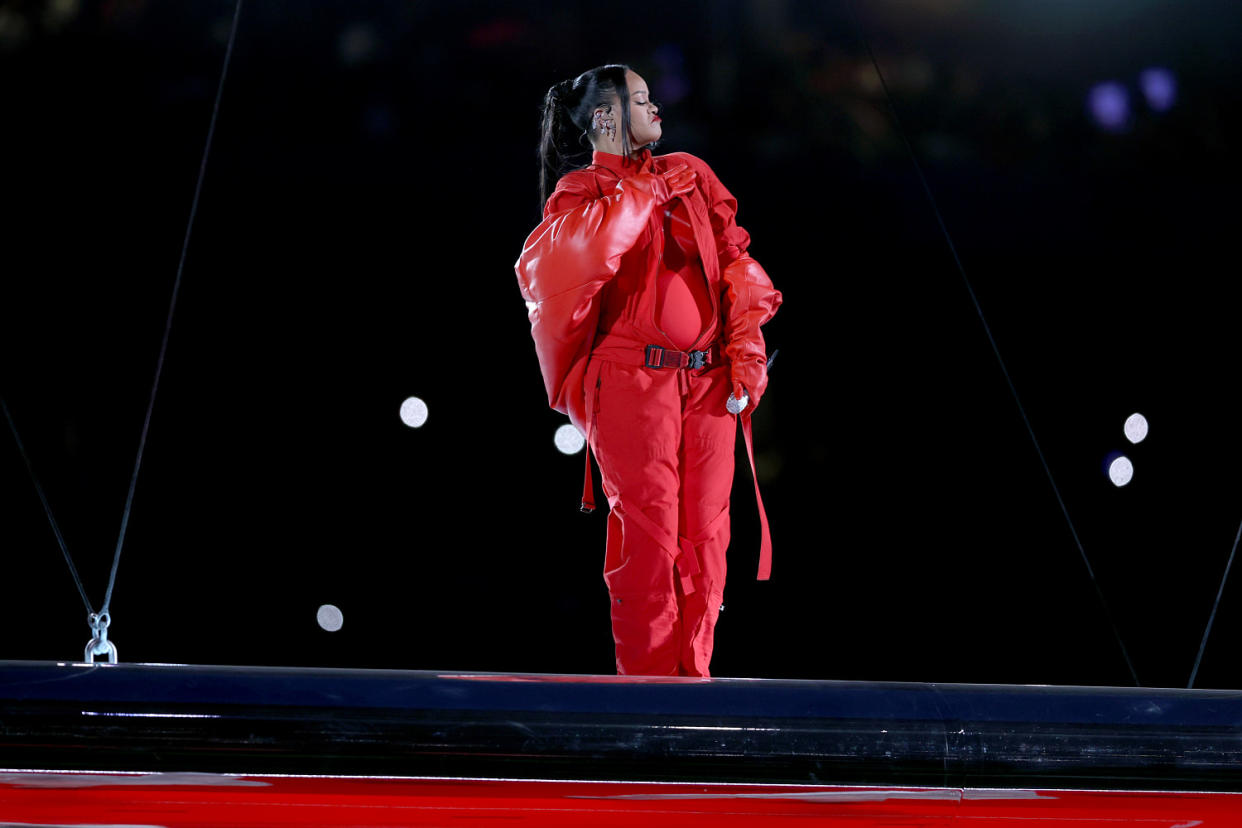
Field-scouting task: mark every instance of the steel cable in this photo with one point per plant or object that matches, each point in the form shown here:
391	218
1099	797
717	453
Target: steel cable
992	341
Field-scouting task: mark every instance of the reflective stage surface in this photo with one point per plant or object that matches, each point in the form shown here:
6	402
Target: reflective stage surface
134	744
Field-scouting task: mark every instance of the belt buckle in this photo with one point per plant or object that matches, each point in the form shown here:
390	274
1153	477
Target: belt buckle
658	353
698	359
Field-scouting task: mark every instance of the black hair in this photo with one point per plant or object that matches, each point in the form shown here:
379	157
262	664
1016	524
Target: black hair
567	109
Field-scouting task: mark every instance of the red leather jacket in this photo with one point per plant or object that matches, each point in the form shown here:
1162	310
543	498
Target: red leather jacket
590	269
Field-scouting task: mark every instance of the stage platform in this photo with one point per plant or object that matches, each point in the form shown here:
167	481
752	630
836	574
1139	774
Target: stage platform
156	744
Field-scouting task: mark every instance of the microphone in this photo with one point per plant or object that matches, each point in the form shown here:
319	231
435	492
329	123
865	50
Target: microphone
735	406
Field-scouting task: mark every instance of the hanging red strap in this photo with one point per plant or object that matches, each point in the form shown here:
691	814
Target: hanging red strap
588	483
765	536
592	408
687	564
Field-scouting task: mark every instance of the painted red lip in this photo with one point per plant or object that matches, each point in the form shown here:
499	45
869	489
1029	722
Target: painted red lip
656	119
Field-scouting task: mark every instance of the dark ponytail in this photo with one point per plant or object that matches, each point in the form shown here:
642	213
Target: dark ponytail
567	110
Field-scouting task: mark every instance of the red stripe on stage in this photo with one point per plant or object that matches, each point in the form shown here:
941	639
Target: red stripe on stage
178	800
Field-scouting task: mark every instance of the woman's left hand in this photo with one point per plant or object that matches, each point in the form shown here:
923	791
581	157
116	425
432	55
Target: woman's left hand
737	401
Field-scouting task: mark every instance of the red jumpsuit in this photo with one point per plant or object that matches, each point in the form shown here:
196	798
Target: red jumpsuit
595	275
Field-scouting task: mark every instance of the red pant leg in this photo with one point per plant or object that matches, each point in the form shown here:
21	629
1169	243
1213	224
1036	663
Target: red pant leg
706	469
664	444
635	437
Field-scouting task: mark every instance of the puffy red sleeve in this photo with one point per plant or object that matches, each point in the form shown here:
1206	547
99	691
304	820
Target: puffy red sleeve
566	261
750	299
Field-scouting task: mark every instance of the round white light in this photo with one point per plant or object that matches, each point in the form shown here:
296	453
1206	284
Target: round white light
1136	428
414	412
330	618
1121	471
569	440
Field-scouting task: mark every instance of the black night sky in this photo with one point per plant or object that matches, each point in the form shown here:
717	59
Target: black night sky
370	183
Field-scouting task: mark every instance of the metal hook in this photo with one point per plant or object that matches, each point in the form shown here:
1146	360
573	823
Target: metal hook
99	644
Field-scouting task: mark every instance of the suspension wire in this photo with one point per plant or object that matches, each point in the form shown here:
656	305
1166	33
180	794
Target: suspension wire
995	349
1212	618
47	508
159	366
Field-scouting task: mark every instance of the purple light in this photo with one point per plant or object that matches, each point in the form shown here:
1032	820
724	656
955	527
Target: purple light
1109	105
1160	88
671	85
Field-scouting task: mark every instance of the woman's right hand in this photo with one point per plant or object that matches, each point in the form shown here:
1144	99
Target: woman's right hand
678	180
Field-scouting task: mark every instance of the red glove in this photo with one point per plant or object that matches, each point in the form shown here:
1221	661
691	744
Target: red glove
750	300
677	181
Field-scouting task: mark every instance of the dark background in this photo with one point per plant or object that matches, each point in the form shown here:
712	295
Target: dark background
369	187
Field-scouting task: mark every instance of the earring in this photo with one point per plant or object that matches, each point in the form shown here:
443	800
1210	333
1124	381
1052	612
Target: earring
604	125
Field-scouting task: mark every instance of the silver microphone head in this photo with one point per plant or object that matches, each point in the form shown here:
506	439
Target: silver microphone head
736	406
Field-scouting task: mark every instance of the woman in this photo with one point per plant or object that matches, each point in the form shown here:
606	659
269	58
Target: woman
645	310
